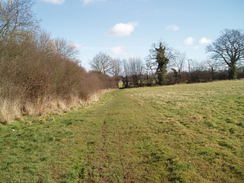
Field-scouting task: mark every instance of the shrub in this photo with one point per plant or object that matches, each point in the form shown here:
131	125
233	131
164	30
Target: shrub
39	75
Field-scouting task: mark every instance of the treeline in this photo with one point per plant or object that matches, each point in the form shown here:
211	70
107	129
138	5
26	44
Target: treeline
179	70
39	74
196	75
164	65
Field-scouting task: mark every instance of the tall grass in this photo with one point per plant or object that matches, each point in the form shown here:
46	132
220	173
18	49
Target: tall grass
40	75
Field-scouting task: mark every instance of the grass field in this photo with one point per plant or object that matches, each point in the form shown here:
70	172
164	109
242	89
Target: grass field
182	133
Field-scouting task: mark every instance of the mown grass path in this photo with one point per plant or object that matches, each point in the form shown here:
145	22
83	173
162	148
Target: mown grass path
183	133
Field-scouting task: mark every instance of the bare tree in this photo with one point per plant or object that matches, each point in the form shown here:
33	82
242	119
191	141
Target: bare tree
101	63
213	66
126	73
150	68
65	49
15	16
116	67
44	43
177	63
229	47
193	66
133	68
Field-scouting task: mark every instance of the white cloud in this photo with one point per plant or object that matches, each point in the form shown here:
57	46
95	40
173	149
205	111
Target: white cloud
122	29
189	41
54	1
173	28
204	40
118	50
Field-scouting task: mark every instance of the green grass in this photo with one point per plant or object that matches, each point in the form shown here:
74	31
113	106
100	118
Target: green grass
182	133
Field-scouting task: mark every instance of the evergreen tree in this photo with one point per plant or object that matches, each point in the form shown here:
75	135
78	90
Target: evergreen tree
159	54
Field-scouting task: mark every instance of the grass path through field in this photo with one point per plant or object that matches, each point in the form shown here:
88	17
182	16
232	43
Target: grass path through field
184	133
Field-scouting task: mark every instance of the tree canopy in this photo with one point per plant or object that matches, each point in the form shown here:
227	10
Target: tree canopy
229	48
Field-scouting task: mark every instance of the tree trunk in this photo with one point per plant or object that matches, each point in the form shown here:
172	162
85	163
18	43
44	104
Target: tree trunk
233	71
161	79
179	76
126	82
212	74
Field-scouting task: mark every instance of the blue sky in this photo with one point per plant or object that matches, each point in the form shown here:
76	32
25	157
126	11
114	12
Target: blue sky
126	28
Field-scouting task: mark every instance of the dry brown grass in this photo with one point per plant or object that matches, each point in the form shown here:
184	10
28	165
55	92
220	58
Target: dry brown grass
15	109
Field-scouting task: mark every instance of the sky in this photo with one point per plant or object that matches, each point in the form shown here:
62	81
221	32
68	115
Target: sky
128	28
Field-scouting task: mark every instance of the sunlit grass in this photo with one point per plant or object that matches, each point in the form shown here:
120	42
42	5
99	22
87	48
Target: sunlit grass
181	133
